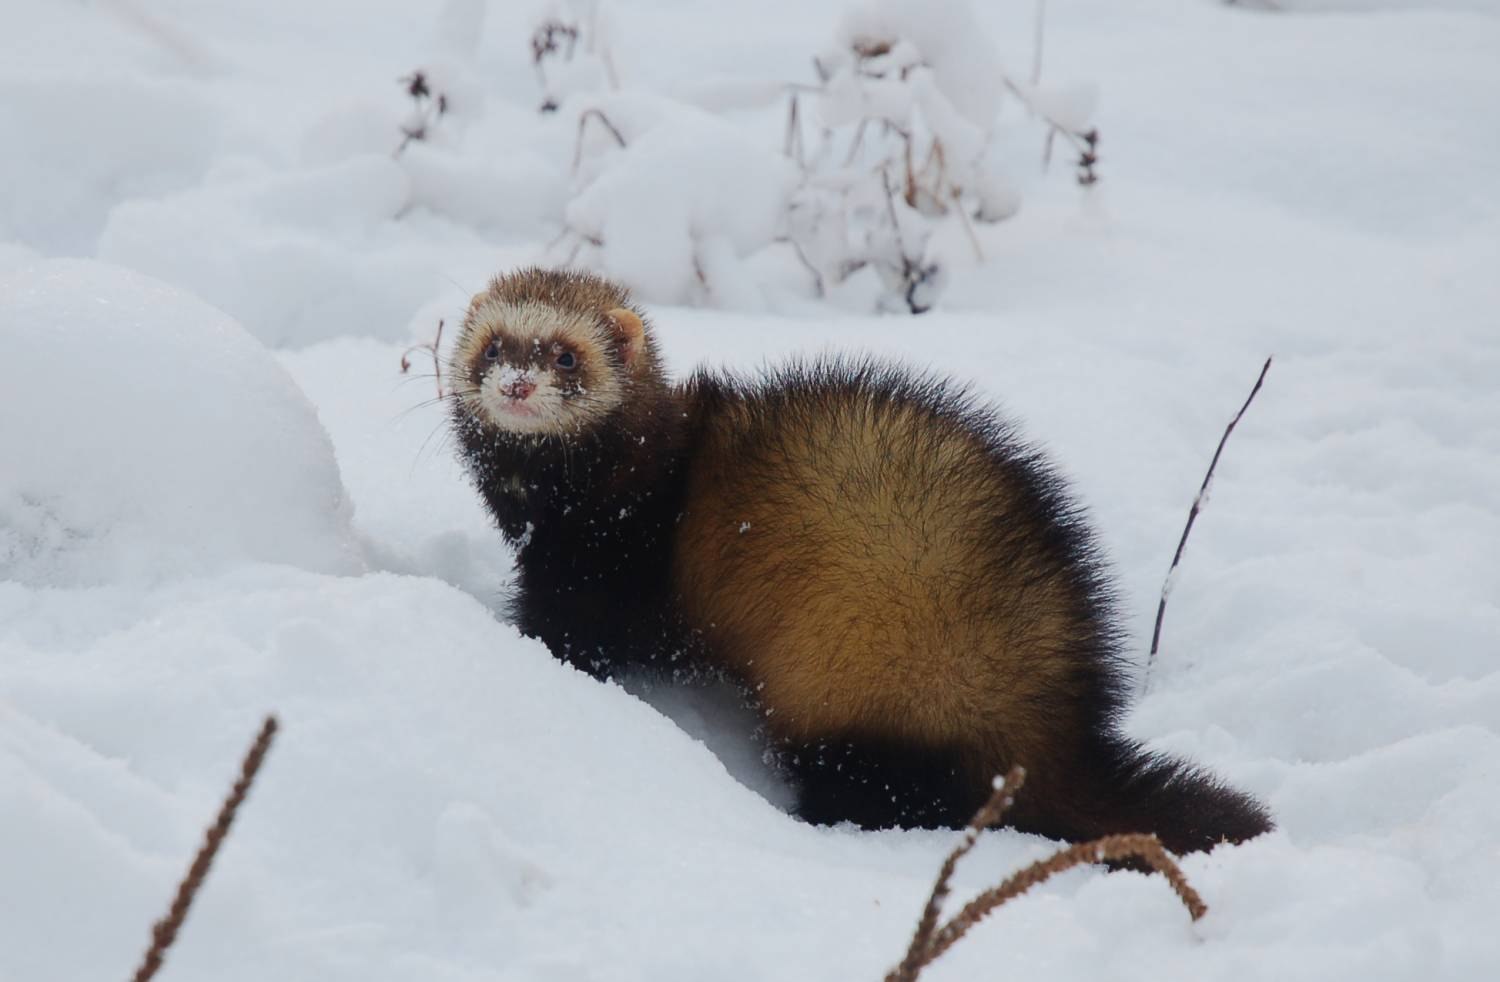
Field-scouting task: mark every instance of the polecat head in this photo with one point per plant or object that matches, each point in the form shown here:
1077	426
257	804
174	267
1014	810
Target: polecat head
548	353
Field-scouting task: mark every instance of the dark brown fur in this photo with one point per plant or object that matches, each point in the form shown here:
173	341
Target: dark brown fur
900	582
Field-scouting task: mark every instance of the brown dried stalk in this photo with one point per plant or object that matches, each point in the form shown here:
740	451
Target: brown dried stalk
1166	587
583	119
164	932
1109	848
432	347
929	941
989	813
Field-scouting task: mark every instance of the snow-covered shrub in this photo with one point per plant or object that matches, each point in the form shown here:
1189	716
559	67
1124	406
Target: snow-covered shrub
900	133
908	102
147	434
671	198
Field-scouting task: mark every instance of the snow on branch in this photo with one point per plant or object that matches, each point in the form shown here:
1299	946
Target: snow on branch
930	939
900	135
164	932
910	93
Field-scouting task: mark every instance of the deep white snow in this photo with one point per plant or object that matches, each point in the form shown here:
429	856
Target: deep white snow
219	497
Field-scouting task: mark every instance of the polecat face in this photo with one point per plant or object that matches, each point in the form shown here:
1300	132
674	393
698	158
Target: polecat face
533	368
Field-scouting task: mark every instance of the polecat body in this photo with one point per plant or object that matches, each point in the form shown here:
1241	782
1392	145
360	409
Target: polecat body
902	585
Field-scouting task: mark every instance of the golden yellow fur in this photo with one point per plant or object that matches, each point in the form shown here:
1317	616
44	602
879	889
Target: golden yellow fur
860	591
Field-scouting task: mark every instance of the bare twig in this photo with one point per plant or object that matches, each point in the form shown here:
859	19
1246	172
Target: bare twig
165	930
989	813
792	146
963	216
1088	158
929	940
1086	142
428	346
890	207
583	119
1166	588
1103	850
818	285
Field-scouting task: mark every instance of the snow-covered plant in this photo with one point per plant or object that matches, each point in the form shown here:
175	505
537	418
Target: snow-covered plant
899	135
570	51
909	99
671	198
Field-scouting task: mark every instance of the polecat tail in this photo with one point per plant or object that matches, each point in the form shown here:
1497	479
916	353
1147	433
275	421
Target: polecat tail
1119	787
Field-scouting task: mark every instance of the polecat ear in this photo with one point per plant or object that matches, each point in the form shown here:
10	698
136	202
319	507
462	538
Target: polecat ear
629	330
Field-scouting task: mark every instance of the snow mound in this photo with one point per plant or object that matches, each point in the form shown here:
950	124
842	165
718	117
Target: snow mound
147	435
90	141
677	208
297	258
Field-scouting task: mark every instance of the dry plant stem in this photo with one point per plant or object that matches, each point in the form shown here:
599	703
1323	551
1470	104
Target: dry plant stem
583	119
930	941
918	955
165	930
963	216
1107	849
1166	588
429	346
890	206
793	143
818	284
1070	135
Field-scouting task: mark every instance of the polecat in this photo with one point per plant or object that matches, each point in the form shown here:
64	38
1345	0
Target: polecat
901	583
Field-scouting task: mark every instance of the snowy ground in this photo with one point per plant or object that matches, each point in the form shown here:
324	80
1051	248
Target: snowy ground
188	541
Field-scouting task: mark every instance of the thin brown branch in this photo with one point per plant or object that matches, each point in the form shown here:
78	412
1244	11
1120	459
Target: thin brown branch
1110	848
165	930
818	285
432	347
1086	142
930	941
1071	136
583	119
1166	587
990	812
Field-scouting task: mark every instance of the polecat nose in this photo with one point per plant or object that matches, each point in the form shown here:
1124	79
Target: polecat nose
518	388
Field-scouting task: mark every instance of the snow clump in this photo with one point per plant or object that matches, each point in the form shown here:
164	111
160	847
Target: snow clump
148	435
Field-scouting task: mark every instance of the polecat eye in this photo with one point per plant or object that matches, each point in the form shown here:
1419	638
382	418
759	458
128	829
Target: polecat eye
492	353
566	361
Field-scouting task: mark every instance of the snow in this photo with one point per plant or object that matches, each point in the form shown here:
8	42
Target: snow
155	459
219	497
